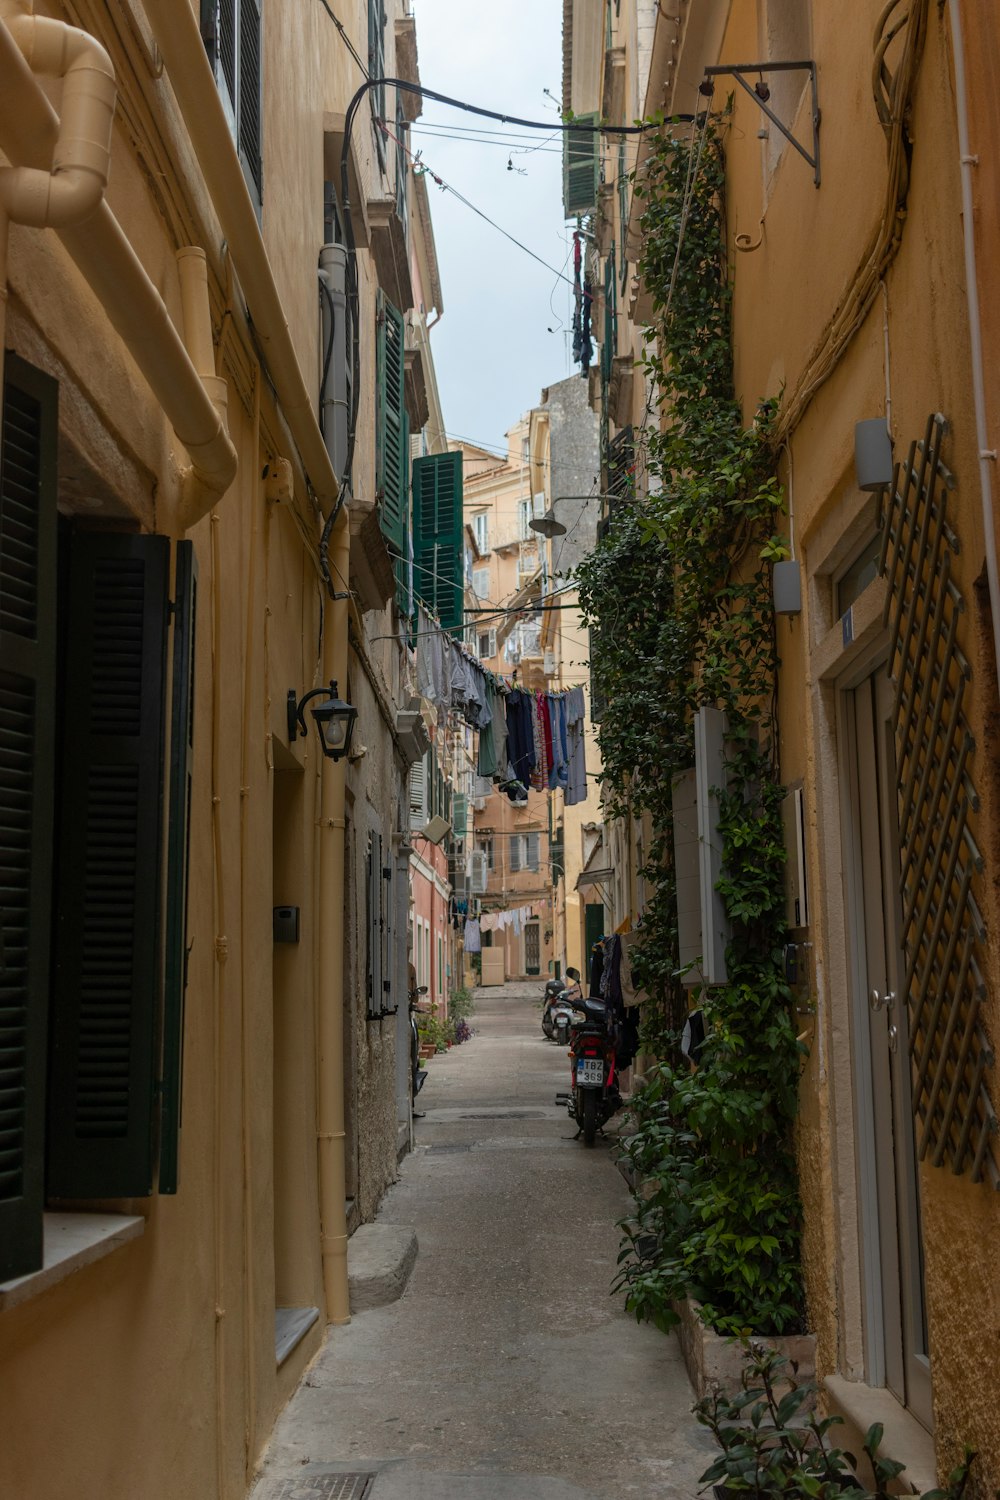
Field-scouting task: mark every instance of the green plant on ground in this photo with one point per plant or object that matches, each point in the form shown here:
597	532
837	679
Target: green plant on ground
773	1444
461	1005
433	1032
678	597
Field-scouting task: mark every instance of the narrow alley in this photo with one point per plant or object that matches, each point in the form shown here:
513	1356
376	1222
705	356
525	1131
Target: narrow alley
505	1372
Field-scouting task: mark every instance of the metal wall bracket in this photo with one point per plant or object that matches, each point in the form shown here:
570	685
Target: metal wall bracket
737	70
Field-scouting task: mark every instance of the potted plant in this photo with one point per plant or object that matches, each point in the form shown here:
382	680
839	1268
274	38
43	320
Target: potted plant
773	1444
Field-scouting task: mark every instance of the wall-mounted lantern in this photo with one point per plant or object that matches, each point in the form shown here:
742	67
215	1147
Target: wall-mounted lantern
872	454
334	720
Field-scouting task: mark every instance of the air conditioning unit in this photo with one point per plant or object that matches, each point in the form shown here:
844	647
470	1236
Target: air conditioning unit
414	741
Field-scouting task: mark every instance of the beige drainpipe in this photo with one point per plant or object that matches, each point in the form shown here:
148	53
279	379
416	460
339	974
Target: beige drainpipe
32	136
330	1132
176	32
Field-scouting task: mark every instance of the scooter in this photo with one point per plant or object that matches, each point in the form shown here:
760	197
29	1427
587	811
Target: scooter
594	1095
553	987
562	1018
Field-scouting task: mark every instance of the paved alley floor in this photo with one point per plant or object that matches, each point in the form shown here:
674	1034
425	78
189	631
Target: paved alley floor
506	1371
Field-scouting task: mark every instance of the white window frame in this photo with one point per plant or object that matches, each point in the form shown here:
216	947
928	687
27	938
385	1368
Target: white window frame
481	530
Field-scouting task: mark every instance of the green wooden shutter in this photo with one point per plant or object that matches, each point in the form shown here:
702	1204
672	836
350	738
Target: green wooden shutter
403	564
581	167
391	440
218	31
103	1050
178	849
437	535
27	696
249	94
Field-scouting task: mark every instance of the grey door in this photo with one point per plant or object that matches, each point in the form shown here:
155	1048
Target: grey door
532	949
896	1322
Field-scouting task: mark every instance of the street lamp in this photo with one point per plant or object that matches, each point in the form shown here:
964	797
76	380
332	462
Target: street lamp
334	720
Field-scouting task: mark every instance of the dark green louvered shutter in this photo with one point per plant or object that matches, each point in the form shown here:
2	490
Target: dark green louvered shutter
250	95
178	848
437	536
403	564
391	441
218	32
581	167
231	31
27	693
104	1041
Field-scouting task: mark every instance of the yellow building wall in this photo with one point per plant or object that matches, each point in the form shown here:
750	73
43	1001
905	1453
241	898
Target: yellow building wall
152	1371
811	242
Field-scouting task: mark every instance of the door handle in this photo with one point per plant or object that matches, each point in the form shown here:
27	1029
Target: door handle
893	1036
878	1001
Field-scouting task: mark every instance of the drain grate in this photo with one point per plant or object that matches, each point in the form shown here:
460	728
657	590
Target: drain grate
323	1487
506	1114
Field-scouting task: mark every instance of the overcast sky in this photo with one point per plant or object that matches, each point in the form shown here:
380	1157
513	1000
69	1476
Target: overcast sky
492	349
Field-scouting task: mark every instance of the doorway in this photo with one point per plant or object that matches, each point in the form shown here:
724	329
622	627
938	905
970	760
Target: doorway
532	949
896	1344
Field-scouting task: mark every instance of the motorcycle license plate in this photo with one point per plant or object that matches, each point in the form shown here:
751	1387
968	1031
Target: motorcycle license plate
590	1070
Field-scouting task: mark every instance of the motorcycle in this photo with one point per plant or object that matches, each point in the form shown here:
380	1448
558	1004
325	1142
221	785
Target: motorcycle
594	1095
562	1018
553	987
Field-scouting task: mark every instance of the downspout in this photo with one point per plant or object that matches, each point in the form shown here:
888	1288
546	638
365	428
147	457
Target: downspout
177	35
330	1128
176	32
30	135
987	455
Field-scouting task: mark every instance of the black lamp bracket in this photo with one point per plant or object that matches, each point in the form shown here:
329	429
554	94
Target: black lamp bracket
737	70
296	709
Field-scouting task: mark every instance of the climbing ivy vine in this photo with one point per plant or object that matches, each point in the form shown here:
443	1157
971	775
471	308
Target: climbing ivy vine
678	596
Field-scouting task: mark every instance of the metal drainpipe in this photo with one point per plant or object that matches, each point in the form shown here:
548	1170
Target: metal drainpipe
29	133
330	1128
987	455
176	32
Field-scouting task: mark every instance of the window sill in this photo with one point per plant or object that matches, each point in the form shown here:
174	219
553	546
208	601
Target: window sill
72	1241
903	1437
291	1324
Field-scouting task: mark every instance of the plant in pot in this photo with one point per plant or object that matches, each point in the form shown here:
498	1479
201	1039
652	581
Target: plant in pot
774	1445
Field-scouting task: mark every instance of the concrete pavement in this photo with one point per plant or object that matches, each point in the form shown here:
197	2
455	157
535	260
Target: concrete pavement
506	1371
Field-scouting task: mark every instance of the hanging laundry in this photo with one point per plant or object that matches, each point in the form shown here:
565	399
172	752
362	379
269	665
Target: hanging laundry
576	715
473	940
520	736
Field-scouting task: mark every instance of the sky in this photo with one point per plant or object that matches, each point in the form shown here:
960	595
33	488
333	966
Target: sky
493	350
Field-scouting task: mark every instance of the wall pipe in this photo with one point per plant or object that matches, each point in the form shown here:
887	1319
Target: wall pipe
29	130
330	1129
176	32
177	35
81	156
987	455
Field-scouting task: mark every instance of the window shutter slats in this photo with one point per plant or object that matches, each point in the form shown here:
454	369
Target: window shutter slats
437	535
249	91
178	841
515	853
107	942
392	439
581	167
418	794
27	693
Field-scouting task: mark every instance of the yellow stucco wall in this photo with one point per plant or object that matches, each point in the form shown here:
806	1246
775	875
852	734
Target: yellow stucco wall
152	1372
812	240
